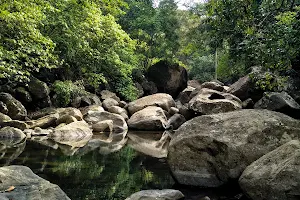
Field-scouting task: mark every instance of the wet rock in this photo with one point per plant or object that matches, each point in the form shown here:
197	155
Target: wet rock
4	118
175	122
103	126
280	102
27	185
75	134
169	78
119	124
150	118
15	109
162	100
10	132
210	150
211	102
38	88
213	86
107	103
166	194
274	176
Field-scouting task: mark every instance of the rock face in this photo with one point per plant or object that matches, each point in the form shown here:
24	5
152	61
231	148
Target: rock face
15	109
280	102
165	101
168	78
119	124
27	185
167	194
210	150
274	176
150	118
241	88
209	101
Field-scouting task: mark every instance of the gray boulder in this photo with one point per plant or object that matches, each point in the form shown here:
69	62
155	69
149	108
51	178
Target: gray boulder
107	103
274	176
210	150
209	101
106	94
119	124
38	88
118	110
241	88
280	102
150	118
4	118
166	194
28	186
10	132
175	121
15	109
165	101
213	86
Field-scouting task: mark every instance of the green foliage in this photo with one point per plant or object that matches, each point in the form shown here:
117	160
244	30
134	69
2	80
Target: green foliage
23	48
202	68
66	91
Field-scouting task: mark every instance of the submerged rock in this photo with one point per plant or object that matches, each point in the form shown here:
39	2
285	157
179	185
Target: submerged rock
210	150
167	194
274	176
27	185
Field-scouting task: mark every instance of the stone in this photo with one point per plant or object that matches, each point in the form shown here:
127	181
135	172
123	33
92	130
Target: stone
15	109
119	124
241	88
210	150
3	108
103	126
27	185
4	118
173	111
87	109
44	122
168	77
248	104
119	110
38	88
167	194
107	103
16	124
175	122
106	94
10	132
185	95
213	86
194	84
211	102
23	95
75	134
275	175
165	101
280	102
150	118
66	119
149	88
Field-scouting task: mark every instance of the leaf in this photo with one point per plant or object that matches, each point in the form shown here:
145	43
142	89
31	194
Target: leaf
11	188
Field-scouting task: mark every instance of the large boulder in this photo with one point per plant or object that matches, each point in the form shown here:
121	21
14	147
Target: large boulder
15	108
38	88
175	121
118	110
210	150
185	95
274	176
107	103
4	118
165	101
23	95
119	124
209	101
150	118
168	78
241	88
106	94
27	185
280	102
166	194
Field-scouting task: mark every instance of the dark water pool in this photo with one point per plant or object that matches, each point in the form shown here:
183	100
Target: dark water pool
94	175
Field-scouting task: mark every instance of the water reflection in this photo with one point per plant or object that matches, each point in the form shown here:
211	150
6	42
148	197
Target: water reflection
10	149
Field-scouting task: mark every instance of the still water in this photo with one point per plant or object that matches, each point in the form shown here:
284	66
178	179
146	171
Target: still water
105	172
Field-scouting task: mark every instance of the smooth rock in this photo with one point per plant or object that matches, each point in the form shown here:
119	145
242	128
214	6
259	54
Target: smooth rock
10	132
280	102
210	150
107	103
27	185
4	118
274	176
106	94
167	194
103	126
119	110
175	122
211	102
241	88
213	86
165	101
150	118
